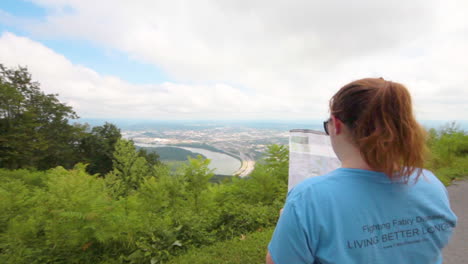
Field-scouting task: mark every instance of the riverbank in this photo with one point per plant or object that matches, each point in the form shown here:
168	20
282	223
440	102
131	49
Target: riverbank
223	162
208	147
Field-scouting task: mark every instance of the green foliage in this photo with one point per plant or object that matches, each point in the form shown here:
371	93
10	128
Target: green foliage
267	183
55	221
35	132
129	171
174	166
250	248
30	178
151	157
197	175
138	213
34	129
98	147
449	153
277	161
240	218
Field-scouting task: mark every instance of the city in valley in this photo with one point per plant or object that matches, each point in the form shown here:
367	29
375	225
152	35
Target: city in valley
245	143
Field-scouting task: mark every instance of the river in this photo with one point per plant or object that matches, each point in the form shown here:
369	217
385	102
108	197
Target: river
220	162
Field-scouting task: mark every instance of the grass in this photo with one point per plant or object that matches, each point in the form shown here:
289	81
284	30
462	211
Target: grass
457	170
250	248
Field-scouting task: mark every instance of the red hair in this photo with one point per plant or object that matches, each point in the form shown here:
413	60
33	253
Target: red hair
380	117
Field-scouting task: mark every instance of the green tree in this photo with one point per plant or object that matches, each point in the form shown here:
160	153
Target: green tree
277	161
129	169
98	146
152	158
34	128
197	176
266	186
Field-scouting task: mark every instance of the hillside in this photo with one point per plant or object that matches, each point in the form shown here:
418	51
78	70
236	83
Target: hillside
173	154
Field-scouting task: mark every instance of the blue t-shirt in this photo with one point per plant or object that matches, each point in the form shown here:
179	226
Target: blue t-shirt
360	216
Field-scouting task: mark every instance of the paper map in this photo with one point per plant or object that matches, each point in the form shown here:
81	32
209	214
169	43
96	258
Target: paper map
310	154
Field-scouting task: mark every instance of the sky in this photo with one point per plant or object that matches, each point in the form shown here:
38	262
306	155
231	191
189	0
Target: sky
237	60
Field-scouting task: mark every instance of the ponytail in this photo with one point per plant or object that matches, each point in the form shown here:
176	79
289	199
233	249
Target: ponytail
380	117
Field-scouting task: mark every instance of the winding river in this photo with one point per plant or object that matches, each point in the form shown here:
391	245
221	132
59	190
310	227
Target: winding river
221	163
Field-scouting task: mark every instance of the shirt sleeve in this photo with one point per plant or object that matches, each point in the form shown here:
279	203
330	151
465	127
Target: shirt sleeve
290	243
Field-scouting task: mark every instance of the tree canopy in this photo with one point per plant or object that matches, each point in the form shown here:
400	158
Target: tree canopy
34	126
36	130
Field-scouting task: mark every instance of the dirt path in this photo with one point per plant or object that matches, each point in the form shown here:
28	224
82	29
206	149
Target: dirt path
457	250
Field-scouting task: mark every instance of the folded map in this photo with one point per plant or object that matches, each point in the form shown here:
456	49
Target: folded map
310	154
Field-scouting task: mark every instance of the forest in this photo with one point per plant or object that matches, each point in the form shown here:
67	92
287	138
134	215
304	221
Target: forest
71	193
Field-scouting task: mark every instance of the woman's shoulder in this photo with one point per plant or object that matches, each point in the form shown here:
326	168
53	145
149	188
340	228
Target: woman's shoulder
336	177
313	184
426	180
345	179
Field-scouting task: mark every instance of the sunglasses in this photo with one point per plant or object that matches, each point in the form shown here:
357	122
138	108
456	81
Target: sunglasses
325	125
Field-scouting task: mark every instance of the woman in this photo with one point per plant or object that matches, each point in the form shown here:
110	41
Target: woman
380	206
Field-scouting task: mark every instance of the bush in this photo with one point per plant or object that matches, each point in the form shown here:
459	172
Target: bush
250	248
136	214
448	153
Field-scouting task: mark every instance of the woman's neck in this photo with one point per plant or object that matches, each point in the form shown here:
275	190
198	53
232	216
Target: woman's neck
353	159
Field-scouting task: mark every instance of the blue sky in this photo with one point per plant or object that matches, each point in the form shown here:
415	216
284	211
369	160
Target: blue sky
23	8
235	60
104	60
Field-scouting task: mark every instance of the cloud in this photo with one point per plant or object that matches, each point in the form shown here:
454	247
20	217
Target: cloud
289	57
92	94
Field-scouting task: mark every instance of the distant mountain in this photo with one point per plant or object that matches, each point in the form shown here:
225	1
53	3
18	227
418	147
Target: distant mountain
136	124
284	125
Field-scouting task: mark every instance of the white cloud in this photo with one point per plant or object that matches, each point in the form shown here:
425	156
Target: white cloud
94	95
289	56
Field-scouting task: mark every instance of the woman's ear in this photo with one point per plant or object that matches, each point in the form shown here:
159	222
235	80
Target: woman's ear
337	125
